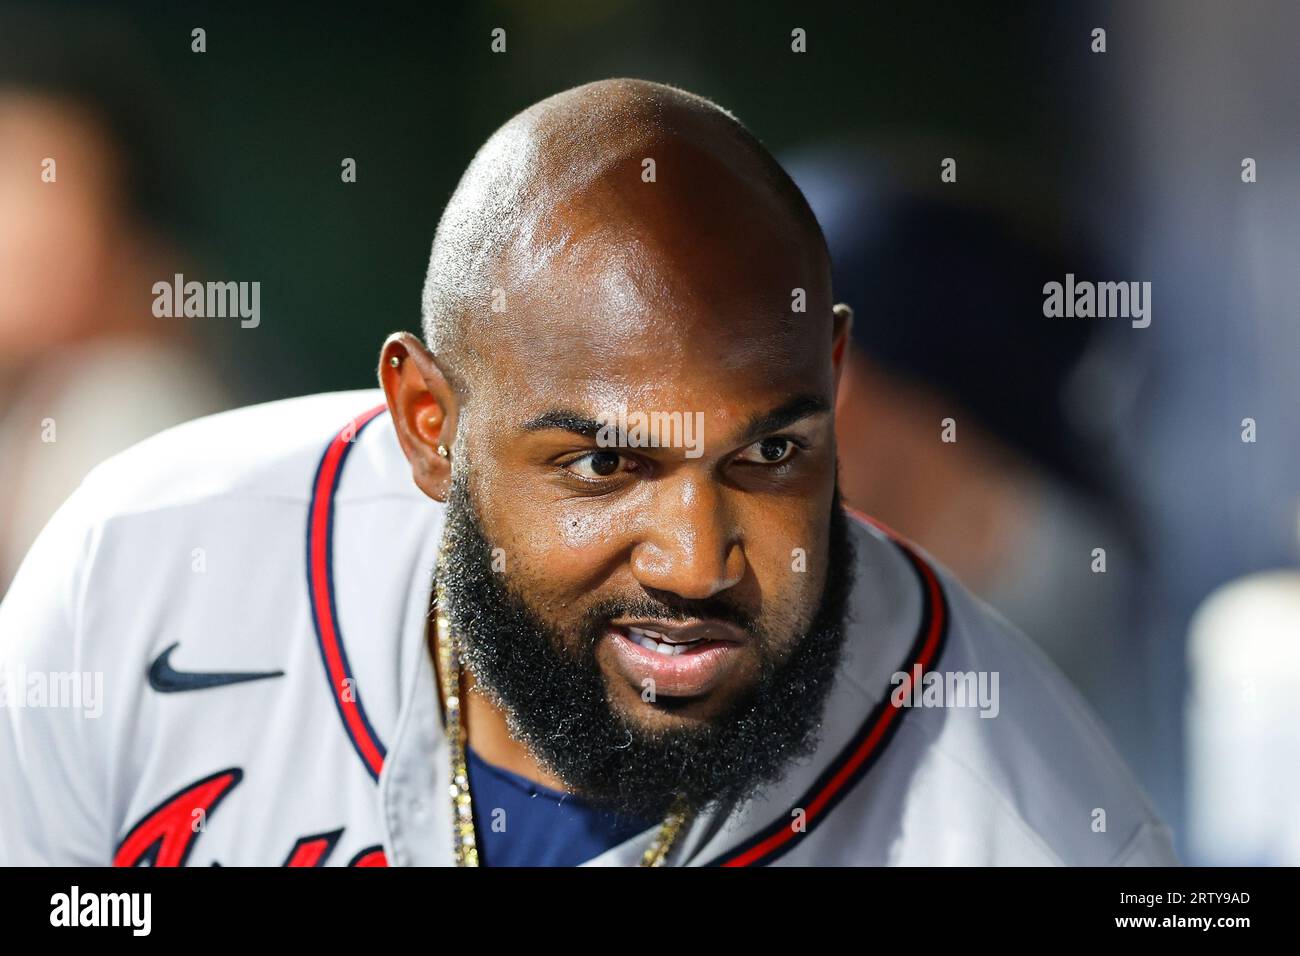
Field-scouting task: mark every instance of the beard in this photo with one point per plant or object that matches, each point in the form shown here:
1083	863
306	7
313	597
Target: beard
553	692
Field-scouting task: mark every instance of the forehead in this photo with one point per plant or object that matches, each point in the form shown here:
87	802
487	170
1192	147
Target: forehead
620	321
660	294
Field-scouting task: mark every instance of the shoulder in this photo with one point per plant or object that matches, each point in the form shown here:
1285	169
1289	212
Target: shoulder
226	540
1003	756
260	450
1037	748
198	513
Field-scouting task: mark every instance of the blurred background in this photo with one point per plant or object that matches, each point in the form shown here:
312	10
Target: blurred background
1073	434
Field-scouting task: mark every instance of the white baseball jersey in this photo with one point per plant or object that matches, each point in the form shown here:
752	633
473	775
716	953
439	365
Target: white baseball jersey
216	653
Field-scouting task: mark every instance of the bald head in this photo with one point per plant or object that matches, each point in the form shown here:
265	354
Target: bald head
613	199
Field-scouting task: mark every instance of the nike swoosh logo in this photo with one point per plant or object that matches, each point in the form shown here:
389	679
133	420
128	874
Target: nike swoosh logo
166	679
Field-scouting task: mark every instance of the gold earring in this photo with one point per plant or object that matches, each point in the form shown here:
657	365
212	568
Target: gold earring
395	362
442	450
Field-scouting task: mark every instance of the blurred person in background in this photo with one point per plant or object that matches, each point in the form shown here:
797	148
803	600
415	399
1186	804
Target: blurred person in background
949	325
1168	154
85	368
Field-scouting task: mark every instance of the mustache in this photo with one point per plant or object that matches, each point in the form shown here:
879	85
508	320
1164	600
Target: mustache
669	607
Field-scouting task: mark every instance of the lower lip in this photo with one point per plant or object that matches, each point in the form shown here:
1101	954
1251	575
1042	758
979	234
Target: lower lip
697	670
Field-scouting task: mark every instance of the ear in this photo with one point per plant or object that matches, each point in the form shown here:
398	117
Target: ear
841	329
424	410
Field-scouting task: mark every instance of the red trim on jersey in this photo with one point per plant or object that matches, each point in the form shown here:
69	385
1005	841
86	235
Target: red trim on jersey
321	593
852	762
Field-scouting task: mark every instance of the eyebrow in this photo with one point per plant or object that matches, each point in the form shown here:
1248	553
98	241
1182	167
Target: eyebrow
565	420
797	409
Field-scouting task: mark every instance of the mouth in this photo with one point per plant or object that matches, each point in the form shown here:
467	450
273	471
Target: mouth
671	639
682	660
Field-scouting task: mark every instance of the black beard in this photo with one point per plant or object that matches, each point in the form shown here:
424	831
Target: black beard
553	692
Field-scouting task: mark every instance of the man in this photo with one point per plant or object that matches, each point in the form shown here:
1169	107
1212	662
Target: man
618	616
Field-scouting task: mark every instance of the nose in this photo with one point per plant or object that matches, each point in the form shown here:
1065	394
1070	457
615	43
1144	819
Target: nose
690	547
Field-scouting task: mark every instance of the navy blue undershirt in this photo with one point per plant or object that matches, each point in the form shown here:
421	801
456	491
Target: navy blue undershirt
538	826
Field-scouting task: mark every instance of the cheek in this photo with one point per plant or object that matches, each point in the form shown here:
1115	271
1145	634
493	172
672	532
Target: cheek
581	533
556	556
577	549
791	573
789	604
582	538
555	552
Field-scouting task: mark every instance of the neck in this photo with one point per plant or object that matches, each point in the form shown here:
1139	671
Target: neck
487	732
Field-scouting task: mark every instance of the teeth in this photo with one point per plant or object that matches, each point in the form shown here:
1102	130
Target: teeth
654	641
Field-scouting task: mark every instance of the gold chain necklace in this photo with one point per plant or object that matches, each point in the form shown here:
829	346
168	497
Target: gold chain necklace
463	841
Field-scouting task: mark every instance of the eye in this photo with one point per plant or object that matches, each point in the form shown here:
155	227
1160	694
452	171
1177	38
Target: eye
769	451
595	465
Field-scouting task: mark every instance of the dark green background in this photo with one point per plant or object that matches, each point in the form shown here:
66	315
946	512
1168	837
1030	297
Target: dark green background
263	119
